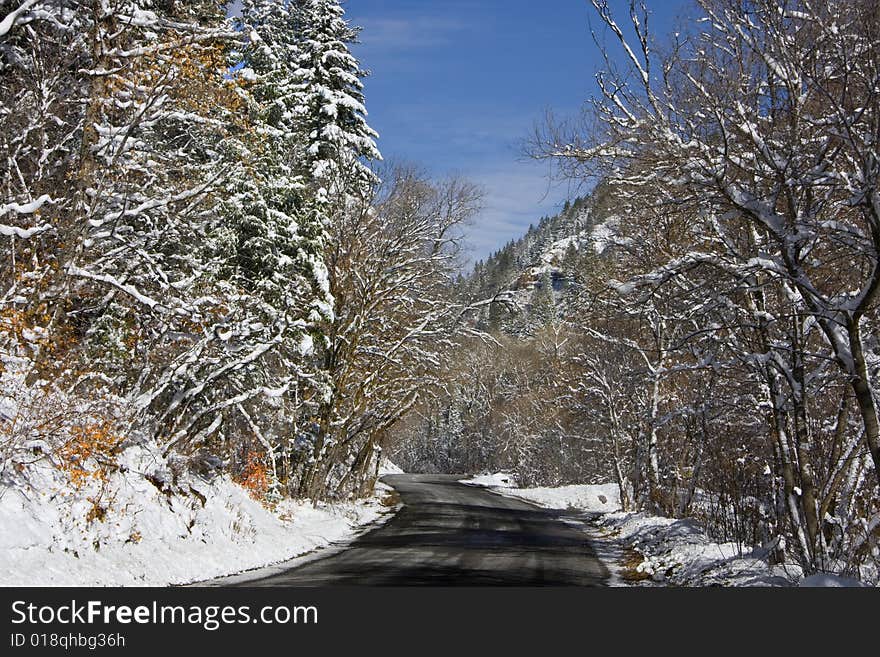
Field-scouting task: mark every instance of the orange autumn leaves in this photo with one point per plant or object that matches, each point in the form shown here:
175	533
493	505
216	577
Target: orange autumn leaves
89	453
255	477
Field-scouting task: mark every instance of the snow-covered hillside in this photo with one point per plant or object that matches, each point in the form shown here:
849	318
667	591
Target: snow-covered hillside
149	525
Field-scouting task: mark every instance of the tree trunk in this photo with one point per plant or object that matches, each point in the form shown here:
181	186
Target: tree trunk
802	439
861	385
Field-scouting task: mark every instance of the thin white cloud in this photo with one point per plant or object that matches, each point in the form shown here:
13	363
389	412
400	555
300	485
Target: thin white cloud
396	34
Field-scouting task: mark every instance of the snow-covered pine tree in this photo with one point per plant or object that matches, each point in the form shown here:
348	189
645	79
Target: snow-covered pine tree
331	107
281	244
543	303
323	114
268	245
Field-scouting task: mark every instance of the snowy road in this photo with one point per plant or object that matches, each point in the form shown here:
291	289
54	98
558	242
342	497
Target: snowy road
448	533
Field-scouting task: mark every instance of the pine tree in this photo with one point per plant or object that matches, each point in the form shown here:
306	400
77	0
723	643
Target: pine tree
330	106
542	309
570	259
266	254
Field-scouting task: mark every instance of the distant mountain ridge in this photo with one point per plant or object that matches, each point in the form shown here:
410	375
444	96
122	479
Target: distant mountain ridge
536	276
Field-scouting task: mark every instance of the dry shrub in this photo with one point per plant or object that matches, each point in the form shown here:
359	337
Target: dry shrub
630	563
97	511
255	477
77	434
89	453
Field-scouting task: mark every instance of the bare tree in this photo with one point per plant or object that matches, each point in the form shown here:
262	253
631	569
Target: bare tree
766	119
392	262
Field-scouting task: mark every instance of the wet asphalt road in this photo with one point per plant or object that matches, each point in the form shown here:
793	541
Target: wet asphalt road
450	534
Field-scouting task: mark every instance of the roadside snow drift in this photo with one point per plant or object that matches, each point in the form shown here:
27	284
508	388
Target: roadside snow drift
582	497
148	526
647	550
678	552
599	497
489	480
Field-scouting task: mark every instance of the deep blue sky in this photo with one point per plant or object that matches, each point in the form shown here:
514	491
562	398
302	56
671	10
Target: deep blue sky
458	85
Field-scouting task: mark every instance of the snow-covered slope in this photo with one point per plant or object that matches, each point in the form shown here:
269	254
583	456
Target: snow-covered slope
386	467
142	528
678	552
493	480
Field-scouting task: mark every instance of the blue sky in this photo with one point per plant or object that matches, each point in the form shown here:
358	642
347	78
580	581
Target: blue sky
457	86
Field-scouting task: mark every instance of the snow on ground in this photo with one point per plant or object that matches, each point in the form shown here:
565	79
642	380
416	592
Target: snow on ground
601	498
644	550
678	552
142	529
830	581
490	480
386	467
603	234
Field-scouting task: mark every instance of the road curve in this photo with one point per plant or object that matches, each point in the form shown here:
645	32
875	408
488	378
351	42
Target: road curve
450	534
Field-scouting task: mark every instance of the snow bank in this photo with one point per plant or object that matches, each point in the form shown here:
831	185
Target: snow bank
830	581
598	498
679	553
490	480
386	467
640	549
141	529
583	497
